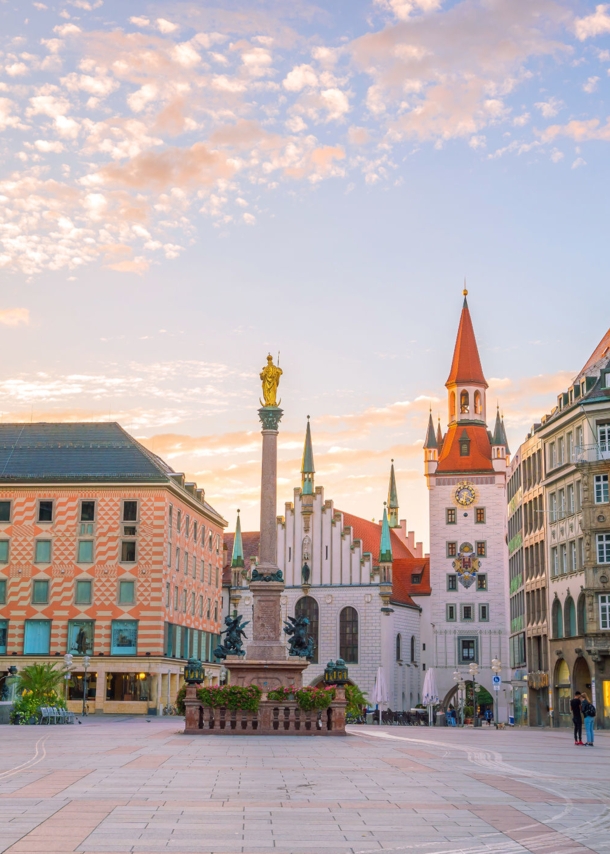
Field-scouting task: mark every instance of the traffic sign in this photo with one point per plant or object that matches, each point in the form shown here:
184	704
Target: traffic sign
497	680
497	686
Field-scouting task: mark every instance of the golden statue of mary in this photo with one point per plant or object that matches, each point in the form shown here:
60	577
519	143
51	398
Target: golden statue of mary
270	376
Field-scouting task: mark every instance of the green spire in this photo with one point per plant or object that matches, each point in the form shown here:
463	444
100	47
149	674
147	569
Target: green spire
385	546
439	434
307	466
430	437
499	436
238	546
393	499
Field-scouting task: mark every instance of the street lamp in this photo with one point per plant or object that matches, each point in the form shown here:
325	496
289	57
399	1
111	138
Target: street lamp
68	664
496	666
86	663
474	672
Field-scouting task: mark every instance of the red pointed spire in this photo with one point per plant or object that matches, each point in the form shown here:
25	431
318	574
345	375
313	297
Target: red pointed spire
466	366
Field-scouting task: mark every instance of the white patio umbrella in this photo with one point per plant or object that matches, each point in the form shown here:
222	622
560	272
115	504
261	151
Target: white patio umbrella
430	693
380	691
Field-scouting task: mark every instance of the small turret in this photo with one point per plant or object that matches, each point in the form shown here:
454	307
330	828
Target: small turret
439	435
393	500
307	466
237	565
430	448
385	560
499	443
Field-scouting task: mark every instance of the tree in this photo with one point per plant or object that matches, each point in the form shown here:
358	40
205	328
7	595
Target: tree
41	679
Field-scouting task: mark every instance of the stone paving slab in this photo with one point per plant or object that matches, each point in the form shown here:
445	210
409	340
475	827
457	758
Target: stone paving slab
131	786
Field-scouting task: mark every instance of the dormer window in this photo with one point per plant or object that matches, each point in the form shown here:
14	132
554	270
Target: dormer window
464	403
464	445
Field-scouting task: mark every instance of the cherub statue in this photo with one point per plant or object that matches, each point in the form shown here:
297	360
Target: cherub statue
301	644
233	643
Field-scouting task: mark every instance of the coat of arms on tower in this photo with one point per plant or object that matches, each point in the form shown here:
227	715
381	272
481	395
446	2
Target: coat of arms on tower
466	565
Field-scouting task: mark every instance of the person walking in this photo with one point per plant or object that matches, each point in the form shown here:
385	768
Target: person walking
575	705
588	712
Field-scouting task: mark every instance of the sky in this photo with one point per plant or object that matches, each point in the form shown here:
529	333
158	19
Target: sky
185	187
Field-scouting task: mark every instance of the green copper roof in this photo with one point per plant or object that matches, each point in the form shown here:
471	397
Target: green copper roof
392	493
499	437
238	547
430	437
307	466
439	433
385	546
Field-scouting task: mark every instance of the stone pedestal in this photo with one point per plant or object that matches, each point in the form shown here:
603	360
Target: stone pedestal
266	644
268	675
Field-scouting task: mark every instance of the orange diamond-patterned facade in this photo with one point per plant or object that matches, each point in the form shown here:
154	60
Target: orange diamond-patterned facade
105	552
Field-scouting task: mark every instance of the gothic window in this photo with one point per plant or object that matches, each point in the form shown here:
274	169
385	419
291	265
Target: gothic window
452	406
398	648
348	635
478	403
557	618
464	402
582	615
570	618
308	607
412	647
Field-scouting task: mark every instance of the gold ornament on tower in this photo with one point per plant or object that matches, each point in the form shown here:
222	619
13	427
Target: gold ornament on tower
270	376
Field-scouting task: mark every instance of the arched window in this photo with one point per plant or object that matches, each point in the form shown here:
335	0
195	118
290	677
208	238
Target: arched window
478	403
464	402
557	619
570	618
348	635
452	406
398	648
412	647
582	615
308	607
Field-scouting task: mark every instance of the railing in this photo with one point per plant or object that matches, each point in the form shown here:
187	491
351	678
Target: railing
591	453
272	718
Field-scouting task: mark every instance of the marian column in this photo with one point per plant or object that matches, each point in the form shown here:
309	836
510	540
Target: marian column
267	583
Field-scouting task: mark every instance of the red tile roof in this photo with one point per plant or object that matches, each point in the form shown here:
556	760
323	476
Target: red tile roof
479	458
370	534
602	351
403	587
466	366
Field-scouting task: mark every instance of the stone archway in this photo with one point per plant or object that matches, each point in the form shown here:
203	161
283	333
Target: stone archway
581	677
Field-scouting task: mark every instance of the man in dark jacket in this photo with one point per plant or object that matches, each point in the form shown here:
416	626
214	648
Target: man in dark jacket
577	717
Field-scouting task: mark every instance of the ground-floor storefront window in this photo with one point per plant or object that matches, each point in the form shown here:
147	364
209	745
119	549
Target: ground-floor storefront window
128	687
76	686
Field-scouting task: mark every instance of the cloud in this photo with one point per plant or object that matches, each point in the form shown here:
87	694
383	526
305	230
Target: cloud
549	108
593	25
15	316
164	26
591	84
580	131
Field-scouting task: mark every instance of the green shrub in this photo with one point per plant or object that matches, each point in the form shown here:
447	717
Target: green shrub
180	697
231	697
28	705
311	697
356	700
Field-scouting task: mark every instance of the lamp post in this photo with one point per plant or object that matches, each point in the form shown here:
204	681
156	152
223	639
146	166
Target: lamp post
68	664
496	666
86	663
474	672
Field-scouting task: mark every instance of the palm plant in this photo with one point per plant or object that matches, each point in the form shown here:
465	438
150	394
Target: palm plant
356	699
41	679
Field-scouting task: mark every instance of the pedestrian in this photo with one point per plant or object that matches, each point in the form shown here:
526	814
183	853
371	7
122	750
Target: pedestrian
577	717
489	716
588	713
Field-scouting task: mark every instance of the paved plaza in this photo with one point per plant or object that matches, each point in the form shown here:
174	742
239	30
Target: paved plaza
137	785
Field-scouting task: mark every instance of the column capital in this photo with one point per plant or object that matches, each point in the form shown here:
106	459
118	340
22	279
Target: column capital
270	417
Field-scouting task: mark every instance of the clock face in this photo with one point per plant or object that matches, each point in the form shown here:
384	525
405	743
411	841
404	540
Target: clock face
465	494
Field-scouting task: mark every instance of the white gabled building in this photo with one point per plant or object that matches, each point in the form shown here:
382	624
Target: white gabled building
466	618
354	579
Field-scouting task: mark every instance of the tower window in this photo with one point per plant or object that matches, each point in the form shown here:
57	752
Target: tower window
464	403
452	406
464	447
480	516
452	581
451	515
478	403
481	549
451	549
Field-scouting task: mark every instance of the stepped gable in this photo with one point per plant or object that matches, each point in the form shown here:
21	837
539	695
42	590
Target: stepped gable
479	458
403	587
369	532
466	365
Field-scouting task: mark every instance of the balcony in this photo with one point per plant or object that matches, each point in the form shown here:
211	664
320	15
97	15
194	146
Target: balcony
590	453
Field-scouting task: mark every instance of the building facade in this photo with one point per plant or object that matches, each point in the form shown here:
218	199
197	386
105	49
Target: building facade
354	579
466	618
105	551
576	445
529	648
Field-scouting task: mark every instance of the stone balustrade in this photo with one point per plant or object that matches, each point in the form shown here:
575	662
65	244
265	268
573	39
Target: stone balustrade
272	718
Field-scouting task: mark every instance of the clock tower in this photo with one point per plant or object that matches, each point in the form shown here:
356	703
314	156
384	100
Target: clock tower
466	620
